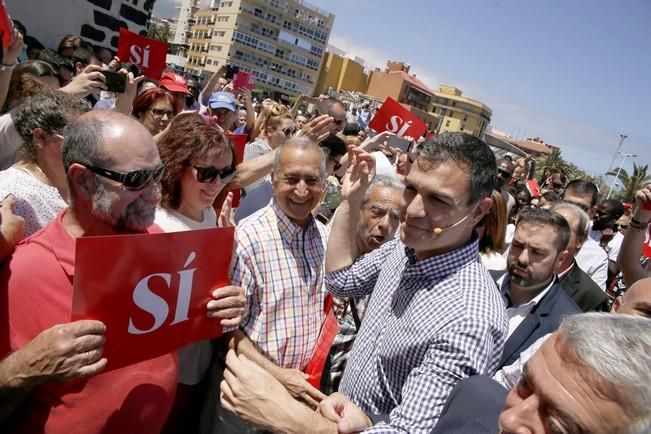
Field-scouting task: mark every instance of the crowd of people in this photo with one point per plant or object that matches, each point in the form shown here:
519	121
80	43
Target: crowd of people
428	290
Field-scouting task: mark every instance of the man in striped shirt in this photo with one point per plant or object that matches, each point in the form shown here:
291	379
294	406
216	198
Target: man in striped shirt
279	262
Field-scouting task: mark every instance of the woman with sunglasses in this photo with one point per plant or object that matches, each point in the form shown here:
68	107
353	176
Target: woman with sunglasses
155	108
199	163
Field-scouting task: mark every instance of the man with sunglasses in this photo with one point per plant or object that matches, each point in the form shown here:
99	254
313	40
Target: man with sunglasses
113	168
335	109
505	170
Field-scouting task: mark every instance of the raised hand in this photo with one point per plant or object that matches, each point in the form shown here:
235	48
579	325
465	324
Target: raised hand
359	175
318	128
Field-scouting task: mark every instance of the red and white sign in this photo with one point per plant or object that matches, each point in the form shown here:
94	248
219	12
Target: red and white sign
148	54
393	117
151	290
243	79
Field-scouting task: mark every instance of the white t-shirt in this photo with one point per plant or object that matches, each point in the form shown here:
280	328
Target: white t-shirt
613	246
36	202
593	260
195	358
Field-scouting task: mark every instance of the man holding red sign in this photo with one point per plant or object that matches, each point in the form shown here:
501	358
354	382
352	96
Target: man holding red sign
48	392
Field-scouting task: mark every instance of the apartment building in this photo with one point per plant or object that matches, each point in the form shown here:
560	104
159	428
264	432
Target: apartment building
282	42
459	113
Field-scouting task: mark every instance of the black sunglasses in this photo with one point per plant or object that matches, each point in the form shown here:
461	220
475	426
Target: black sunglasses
134	180
210	173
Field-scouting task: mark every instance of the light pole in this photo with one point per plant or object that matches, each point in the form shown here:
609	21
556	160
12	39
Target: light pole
625	156
622	137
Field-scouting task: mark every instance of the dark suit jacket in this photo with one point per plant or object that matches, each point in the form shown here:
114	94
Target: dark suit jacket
473	407
543	319
584	291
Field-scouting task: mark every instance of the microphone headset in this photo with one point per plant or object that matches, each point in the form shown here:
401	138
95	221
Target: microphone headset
438	231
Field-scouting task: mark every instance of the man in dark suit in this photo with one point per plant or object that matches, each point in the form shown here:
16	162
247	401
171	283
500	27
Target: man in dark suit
536	303
577	284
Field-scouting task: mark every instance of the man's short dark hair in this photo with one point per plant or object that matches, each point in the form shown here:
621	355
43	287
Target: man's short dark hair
616	206
583	188
466	150
351	129
83	56
326	105
333	145
83	142
547	217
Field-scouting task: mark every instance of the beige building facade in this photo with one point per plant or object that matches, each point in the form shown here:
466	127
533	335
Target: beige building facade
282	42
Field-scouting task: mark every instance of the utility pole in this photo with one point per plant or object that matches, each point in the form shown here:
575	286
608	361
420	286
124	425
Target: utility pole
625	156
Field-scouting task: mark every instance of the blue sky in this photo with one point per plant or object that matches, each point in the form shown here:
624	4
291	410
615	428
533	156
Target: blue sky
576	73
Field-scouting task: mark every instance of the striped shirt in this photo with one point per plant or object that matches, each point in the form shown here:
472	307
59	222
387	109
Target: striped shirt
429	324
281	268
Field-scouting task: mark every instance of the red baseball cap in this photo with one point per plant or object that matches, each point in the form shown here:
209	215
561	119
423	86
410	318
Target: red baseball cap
174	83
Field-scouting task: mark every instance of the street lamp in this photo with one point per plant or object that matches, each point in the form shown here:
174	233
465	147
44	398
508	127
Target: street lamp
619	148
625	156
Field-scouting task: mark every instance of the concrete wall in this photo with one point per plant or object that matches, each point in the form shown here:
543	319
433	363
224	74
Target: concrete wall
96	21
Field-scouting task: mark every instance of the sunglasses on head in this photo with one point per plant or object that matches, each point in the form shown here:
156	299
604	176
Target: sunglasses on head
210	173
133	180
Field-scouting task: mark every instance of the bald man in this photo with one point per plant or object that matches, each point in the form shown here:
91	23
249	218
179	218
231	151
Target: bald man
113	171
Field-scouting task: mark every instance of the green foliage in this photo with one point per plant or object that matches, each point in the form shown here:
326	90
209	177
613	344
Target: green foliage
159	32
631	183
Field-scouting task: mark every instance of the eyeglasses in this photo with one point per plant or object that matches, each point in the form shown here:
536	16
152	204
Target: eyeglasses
210	173
134	180
288	131
159	113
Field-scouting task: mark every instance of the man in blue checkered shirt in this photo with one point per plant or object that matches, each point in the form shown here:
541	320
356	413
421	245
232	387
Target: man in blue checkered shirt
435	315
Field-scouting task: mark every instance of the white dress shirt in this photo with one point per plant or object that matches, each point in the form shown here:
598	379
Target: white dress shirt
613	246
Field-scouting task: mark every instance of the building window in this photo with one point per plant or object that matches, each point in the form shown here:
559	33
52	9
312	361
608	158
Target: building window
447	123
222	18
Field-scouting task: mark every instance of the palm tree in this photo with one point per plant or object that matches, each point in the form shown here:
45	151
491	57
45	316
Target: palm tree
160	32
633	183
553	160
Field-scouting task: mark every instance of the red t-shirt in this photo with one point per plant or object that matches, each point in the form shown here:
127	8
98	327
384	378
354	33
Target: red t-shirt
137	398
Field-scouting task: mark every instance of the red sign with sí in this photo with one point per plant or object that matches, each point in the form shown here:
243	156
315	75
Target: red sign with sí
151	290
243	79
393	117
148	54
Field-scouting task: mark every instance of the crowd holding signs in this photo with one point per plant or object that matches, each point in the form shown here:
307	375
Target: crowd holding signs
373	277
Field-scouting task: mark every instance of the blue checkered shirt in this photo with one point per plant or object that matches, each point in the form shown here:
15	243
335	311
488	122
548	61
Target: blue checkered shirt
429	324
